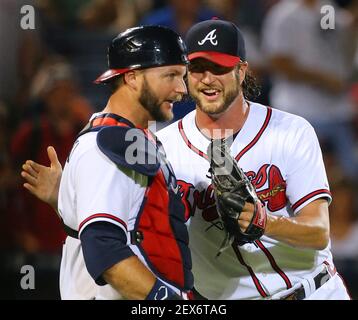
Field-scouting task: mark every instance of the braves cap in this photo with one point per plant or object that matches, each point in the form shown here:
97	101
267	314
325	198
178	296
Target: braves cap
216	40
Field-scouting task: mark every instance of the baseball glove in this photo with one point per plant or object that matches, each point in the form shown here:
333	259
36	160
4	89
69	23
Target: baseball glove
232	190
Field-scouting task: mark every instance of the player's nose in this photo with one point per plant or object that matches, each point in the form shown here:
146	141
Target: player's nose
181	87
207	77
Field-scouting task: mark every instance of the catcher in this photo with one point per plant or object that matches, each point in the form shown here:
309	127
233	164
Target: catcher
124	218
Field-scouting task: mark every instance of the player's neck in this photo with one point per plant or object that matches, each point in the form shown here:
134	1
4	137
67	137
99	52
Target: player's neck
229	122
129	108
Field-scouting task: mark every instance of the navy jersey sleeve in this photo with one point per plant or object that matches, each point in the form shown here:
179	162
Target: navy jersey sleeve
104	245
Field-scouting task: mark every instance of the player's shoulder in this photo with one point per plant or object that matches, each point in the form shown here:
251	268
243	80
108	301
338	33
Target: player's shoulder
125	147
129	148
288	121
84	146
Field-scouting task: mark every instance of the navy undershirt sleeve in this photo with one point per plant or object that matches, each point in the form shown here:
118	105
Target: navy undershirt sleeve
104	244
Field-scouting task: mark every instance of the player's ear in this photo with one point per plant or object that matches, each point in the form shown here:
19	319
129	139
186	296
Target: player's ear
241	71
131	78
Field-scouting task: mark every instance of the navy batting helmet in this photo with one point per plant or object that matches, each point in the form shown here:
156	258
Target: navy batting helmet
143	47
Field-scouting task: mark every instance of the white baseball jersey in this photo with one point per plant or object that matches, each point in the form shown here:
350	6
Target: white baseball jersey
92	189
280	154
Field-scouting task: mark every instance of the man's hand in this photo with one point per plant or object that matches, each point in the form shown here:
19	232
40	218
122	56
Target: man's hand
246	216
43	182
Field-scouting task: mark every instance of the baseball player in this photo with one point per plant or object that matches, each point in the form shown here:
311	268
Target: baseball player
124	218
281	156
279	153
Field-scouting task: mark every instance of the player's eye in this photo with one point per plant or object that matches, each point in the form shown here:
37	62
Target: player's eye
170	76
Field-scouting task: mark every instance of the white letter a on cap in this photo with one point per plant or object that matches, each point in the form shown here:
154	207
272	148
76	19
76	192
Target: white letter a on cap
211	36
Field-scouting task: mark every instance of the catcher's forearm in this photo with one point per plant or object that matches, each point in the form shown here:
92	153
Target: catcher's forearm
309	229
130	278
134	281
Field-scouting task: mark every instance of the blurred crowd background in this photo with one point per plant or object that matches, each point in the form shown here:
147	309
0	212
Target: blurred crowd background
47	95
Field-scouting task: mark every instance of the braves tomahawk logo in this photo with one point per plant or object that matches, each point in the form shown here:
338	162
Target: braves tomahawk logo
274	195
211	36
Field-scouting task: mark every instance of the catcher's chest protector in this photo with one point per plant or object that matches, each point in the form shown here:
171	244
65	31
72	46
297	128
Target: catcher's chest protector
160	232
164	235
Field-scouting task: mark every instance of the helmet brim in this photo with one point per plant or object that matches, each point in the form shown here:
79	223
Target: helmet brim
109	75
